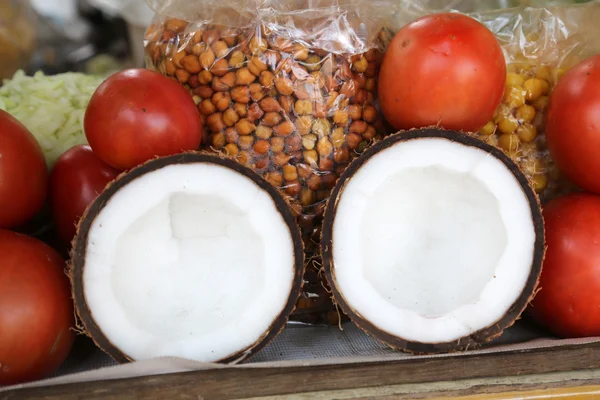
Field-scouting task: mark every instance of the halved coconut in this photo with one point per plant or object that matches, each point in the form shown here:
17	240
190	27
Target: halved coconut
433	241
192	256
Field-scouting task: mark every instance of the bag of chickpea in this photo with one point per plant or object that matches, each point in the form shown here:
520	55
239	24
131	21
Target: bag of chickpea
540	43
288	88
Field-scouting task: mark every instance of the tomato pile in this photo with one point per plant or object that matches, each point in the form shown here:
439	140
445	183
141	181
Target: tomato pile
444	70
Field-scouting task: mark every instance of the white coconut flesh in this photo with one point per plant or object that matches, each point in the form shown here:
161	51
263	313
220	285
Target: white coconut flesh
190	260
432	240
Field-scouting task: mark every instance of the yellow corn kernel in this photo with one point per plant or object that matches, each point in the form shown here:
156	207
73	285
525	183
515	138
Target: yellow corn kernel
543	72
508	125
514	96
527	132
526	113
488	128
535	88
508	142
514	79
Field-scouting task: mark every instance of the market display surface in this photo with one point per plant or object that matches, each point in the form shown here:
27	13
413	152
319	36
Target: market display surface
269	189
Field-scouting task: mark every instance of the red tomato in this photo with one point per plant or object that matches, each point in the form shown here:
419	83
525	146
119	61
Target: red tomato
573	124
23	173
568	303
443	69
138	114
36	311
77	178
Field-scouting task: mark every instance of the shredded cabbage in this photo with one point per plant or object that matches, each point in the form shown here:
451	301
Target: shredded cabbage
51	107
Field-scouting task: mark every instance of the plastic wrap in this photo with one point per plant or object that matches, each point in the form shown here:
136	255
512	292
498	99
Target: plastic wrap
287	88
540	44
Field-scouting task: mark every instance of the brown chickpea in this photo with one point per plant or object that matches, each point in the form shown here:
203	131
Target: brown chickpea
309	141
198	48
218	140
269	104
340	118
241	94
205	77
303	107
220	48
281	158
176	25
324	147
255	113
177	57
240	108
229	79
355	112
193	81
306	198
182	75
359	127
206	107
246	142
263	132
237	59
311	157
283	129
293	188
274	178
256	65
230	117
284	86
231	149
290	173
244	158
204	92
207	58
338	138
314	182
245	127
272	119
321	127
231	135
215	122
243	77
277	144
341	155
221	100
353	140
191	64
257	92
369	133
262	146
369	114
293	143
304	124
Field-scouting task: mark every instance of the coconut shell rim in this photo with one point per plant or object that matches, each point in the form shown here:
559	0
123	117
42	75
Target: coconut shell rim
79	247
481	336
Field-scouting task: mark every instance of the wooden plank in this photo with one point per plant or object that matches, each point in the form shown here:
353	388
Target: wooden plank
238	383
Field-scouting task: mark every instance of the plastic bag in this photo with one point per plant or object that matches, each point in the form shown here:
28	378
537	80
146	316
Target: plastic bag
540	44
287	88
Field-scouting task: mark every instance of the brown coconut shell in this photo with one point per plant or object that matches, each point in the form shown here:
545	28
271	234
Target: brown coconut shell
86	322
480	337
